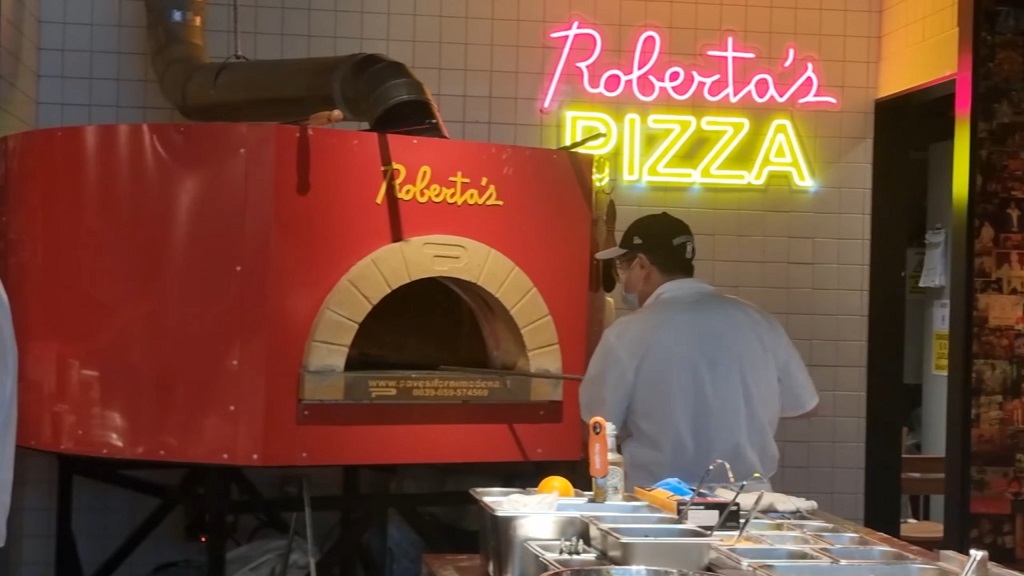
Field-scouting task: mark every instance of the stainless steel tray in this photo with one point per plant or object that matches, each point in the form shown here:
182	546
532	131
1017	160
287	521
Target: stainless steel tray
491	494
661	546
595	522
625	519
791	539
539	552
791	516
554	548
563	562
754	555
625	571
729	539
759	525
810	527
848	539
503	533
921	569
862	555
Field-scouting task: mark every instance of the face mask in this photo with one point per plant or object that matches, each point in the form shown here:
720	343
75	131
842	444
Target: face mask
630	300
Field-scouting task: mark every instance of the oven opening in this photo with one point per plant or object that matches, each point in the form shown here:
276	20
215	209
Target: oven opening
436	324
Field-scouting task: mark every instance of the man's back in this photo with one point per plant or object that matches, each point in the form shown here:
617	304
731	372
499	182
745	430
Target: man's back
692	377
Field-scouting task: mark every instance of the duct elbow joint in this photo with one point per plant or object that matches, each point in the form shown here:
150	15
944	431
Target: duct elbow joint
386	94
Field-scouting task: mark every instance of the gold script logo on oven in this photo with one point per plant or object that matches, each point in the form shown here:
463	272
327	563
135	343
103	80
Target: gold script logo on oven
456	190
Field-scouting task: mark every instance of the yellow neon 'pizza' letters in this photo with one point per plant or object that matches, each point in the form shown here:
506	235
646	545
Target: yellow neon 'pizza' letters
656	168
579	125
632	147
710	170
781	153
669	148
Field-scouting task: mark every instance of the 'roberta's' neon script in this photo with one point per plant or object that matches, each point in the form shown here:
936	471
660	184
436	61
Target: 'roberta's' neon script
648	82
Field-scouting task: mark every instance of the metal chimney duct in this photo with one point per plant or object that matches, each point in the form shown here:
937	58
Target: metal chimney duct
366	87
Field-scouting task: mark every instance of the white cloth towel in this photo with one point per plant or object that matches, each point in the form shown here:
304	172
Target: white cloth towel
8	410
527	503
772	502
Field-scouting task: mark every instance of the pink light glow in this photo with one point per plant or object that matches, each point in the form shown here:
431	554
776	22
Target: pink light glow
648	83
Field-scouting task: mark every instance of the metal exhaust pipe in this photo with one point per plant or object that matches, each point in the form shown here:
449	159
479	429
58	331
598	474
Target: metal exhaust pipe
368	88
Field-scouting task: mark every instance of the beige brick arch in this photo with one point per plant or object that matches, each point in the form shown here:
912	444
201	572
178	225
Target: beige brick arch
394	265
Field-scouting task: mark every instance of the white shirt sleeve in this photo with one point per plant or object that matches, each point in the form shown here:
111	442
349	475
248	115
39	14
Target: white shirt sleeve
8	410
797	394
607	384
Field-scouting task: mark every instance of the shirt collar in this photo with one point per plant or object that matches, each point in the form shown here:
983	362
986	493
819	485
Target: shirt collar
679	287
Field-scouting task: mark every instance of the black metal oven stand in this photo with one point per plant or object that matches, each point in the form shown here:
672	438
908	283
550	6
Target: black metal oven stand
220	493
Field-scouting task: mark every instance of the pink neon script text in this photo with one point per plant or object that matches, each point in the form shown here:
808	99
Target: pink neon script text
647	83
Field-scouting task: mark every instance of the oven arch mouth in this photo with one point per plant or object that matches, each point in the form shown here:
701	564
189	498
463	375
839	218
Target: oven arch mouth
515	324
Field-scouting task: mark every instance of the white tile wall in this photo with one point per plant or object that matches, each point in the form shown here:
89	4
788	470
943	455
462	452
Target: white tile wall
19	64
801	256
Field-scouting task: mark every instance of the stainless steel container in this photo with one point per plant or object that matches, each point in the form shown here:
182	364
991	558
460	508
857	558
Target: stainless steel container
921	569
503	533
562	562
755	555
625	571
539	552
664	546
859	555
848	539
757	525
811	527
803	516
748	539
789	539
597	536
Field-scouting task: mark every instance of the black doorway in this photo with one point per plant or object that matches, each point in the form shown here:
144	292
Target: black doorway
906	126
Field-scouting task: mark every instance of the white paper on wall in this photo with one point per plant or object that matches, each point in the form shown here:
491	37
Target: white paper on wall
940	338
934	273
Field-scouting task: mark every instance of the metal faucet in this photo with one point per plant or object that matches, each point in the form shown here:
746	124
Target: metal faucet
572	547
977	564
728	469
700	484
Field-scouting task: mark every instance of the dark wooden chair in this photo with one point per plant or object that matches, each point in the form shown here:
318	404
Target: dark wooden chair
921	477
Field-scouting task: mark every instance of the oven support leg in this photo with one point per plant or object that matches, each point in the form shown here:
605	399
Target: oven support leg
67	562
150	523
217	492
377	562
249	491
210	490
360	518
353	525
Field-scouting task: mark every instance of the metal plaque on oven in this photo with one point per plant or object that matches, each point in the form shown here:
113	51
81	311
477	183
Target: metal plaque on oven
428	387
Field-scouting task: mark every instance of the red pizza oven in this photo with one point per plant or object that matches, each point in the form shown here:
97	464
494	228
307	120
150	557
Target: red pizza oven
269	295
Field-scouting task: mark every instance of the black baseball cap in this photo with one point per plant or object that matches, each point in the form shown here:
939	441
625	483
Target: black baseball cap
654	233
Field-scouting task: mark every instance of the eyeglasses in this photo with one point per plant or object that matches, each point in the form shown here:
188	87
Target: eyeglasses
623	264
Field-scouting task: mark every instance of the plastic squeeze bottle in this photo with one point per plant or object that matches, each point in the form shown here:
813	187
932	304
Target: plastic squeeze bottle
597	450
615	486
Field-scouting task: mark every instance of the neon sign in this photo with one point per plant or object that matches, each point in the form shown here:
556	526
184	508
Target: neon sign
778	152
670	148
648	83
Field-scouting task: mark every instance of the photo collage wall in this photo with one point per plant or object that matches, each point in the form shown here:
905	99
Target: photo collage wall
997	408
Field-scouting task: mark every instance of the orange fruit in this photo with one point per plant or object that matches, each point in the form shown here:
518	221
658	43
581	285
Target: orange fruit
556	485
